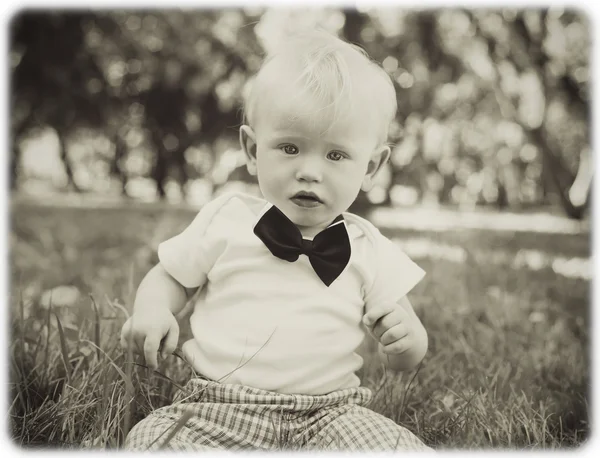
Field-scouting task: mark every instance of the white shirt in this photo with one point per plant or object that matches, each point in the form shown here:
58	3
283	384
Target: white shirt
271	324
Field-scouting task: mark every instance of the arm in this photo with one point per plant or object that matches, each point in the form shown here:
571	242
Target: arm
153	327
167	287
159	289
401	335
415	344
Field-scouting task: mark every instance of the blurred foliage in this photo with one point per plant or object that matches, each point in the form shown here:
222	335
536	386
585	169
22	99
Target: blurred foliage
493	103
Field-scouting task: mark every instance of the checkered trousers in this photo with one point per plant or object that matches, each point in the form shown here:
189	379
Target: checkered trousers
236	417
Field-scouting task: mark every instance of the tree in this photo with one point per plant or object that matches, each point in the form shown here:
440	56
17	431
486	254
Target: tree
50	80
480	93
528	54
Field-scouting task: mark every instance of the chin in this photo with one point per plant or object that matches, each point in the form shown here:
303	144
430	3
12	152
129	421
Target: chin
302	220
305	217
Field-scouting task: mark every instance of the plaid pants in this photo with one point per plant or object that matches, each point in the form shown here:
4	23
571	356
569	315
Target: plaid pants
236	417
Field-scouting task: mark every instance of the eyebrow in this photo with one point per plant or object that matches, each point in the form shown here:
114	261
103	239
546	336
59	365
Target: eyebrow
294	136
278	135
287	134
346	148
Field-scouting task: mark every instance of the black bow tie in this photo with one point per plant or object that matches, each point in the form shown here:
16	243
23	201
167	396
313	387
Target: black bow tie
328	252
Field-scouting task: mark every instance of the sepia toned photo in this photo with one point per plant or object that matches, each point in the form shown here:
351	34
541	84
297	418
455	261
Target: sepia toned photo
299	229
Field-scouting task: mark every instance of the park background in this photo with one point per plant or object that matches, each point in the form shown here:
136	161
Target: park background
124	123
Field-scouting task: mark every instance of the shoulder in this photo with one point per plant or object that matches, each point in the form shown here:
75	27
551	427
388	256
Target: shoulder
363	231
372	248
234	205
388	272
225	198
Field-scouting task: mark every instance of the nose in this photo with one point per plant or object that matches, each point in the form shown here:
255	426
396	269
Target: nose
309	169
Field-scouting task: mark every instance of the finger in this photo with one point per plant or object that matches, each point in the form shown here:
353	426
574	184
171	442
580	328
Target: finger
396	348
393	334
376	313
124	335
170	341
124	339
135	342
151	351
386	322
127	340
378	329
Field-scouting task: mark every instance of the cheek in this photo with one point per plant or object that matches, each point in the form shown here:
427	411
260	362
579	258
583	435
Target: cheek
346	186
270	171
352	175
263	161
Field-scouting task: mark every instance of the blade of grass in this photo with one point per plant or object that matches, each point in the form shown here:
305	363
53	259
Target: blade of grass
47	352
129	368
277	430
115	304
22	401
105	388
112	363
408	389
63	348
240	365
160	375
22	323
180	424
19	365
38	342
129	391
96	326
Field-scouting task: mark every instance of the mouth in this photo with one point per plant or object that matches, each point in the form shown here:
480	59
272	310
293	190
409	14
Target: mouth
306	199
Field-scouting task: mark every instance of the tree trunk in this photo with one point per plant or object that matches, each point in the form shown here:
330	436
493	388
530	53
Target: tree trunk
159	173
116	167
532	56
559	174
62	149
353	25
13	167
18	132
502	201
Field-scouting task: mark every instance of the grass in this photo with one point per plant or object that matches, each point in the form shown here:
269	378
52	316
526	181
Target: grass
507	367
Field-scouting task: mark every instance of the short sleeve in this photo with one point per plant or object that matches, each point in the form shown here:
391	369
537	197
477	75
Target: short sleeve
189	256
395	274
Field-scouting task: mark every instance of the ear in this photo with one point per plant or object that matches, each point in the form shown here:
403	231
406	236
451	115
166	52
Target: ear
248	144
377	161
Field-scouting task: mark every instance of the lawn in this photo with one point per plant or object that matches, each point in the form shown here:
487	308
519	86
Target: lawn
508	362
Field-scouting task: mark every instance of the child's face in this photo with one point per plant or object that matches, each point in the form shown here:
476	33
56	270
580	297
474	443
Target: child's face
309	175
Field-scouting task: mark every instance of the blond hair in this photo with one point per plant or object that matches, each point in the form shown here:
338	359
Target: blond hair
317	69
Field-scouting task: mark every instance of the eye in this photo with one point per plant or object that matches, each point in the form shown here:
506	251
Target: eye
290	149
335	156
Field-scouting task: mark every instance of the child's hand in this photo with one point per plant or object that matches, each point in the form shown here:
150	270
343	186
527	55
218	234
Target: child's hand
145	331
394	327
